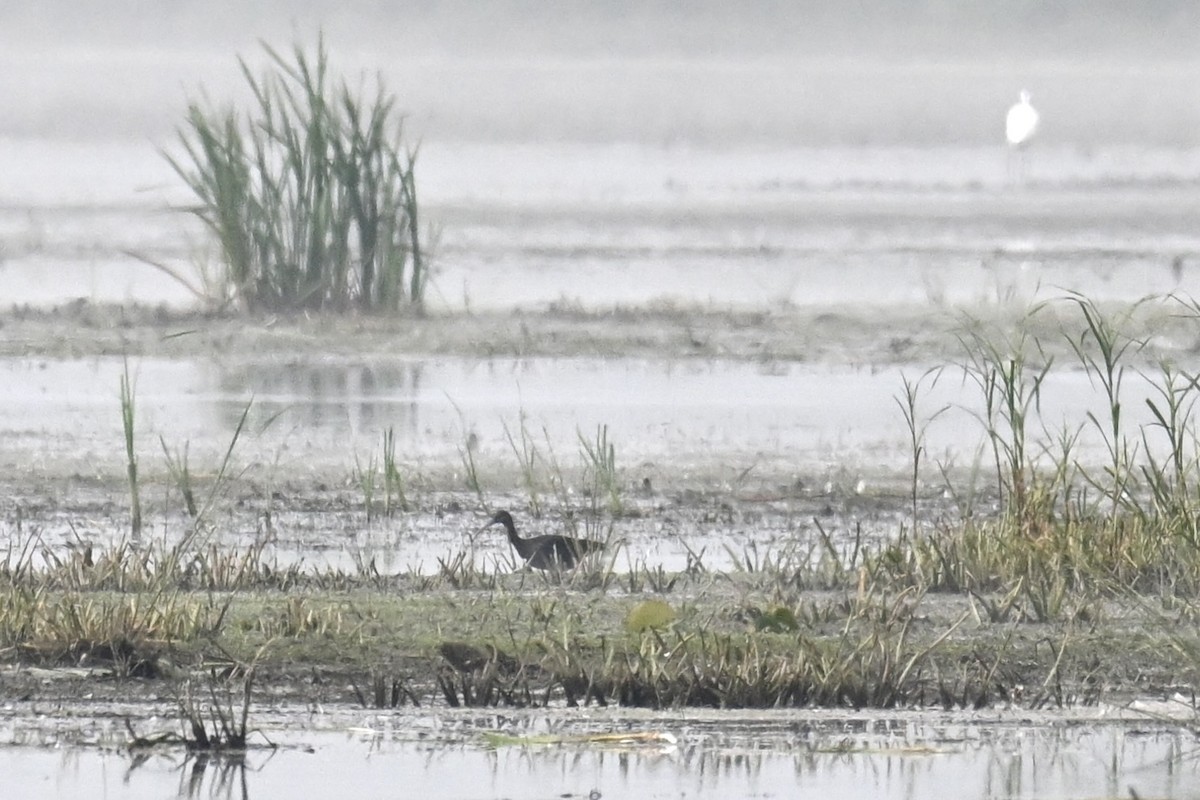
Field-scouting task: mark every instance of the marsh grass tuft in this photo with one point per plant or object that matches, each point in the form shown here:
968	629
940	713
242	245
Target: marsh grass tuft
474	676
688	664
1068	535
1104	361
395	498
388	689
366	478
470	469
1008	370
1171	479
181	474
218	722
311	194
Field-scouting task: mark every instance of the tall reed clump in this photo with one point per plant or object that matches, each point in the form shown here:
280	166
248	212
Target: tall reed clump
1102	347
1008	371
310	194
1072	531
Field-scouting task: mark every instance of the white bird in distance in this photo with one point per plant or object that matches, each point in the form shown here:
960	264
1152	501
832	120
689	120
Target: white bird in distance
1019	127
1022	122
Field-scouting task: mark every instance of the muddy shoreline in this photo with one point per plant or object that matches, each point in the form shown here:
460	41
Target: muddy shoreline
920	335
83	329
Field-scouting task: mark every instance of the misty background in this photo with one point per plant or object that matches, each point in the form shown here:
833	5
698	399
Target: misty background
862	72
840	159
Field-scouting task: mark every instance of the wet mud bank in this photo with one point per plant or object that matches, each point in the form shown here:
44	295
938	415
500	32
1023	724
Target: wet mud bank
899	334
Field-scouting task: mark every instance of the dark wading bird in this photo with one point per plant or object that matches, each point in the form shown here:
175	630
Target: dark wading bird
545	552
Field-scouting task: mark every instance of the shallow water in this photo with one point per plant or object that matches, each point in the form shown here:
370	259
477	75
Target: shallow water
766	754
667	420
664	414
795	440
324	412
597	225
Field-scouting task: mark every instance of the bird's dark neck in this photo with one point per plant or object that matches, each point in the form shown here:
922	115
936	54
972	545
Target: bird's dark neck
511	530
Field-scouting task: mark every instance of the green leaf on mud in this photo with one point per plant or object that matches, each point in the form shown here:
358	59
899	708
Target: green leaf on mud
649	614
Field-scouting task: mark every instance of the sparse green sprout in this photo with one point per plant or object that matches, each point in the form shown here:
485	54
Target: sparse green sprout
393	481
128	409
600	464
917	425
1009	369
177	466
466	454
366	483
394	497
526	450
1102	348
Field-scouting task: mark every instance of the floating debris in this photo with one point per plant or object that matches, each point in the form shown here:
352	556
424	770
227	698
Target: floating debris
497	739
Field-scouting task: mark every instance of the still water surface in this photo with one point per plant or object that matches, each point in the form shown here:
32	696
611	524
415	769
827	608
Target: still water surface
598	225
661	414
771	754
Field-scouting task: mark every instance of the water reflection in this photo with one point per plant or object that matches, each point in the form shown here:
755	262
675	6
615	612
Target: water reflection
661	414
717	755
227	778
1044	762
310	413
221	776
364	395
207	775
